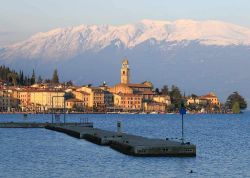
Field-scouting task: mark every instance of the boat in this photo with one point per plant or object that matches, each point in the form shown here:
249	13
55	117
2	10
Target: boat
154	112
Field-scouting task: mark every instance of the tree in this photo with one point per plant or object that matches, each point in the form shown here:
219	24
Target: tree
33	78
236	108
175	95
55	78
39	80
164	90
12	78
233	98
69	83
194	96
157	91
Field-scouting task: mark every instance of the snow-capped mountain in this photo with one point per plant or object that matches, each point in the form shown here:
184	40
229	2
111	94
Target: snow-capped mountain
70	42
199	56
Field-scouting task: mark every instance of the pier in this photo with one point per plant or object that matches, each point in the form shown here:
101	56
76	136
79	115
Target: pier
122	142
127	143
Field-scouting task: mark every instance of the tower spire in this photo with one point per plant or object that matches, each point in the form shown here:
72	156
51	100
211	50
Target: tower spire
125	72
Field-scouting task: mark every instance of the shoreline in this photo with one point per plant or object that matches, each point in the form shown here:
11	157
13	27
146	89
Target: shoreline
33	113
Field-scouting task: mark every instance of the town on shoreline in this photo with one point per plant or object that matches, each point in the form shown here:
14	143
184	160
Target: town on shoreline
49	96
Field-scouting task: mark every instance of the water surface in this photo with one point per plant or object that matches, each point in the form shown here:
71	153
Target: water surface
222	148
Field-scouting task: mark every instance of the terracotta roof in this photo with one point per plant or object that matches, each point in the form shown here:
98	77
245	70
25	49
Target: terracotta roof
135	85
37	90
209	95
130	95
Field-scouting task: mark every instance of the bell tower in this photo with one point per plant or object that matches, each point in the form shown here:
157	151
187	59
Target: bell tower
125	73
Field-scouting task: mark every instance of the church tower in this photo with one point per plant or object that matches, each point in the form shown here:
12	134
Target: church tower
125	73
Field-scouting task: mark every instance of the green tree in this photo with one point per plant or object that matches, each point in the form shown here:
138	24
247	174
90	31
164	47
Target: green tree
175	95
236	97
236	108
12	78
165	90
33	78
69	83
55	78
39	80
157	91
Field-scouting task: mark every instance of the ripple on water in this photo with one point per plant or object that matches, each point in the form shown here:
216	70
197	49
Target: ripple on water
222	148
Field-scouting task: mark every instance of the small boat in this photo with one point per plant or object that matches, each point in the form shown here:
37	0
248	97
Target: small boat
154	112
25	115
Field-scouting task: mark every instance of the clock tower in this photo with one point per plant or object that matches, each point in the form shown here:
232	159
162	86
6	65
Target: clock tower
125	73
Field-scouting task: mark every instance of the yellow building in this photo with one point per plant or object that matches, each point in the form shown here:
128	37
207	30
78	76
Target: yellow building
125	87
162	99
198	100
7	101
83	96
154	107
41	99
74	104
128	102
97	97
23	95
212	98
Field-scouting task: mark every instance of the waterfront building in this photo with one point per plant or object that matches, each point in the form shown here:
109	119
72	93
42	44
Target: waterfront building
154	107
211	98
130	96
198	100
23	95
128	102
74	104
165	99
96	97
83	96
41	99
7	101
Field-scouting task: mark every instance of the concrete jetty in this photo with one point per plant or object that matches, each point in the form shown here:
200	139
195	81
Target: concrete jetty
127	143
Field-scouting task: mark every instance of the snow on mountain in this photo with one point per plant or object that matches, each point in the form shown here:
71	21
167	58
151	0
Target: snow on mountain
73	41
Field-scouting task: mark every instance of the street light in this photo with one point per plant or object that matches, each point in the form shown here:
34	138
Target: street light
182	112
64	114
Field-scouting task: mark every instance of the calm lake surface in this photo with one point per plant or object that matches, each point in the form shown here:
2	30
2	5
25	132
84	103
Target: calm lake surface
223	148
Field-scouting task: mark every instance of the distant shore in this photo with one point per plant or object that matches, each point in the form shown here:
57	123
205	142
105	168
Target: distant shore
140	113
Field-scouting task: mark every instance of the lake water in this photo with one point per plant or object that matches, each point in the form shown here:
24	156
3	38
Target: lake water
223	148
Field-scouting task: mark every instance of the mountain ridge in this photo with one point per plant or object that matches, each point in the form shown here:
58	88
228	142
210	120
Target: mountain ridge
184	52
66	42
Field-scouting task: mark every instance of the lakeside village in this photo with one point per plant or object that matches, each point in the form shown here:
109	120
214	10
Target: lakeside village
31	95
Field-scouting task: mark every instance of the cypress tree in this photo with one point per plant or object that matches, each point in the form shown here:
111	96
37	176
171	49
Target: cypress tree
33	78
55	78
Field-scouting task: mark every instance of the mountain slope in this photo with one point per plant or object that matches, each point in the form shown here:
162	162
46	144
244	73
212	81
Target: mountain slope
68	42
199	56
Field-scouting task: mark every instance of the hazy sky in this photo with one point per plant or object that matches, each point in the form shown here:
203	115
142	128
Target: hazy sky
19	19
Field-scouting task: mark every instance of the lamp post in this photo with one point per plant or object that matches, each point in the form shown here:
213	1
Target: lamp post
182	112
64	109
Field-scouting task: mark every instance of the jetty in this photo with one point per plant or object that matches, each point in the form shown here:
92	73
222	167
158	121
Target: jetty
127	143
122	142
